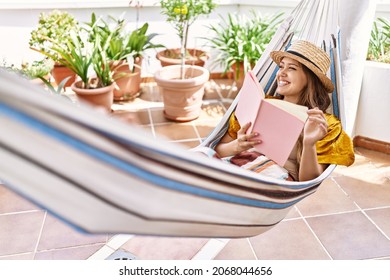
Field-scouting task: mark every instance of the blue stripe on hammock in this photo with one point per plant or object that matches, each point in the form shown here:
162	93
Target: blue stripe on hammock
271	79
335	102
131	169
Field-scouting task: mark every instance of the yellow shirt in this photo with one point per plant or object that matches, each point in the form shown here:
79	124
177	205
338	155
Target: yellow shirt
335	148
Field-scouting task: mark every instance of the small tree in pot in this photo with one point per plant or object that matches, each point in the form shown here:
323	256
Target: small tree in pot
182	85
182	14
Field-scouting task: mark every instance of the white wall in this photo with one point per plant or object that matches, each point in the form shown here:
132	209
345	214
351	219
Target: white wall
19	17
374	115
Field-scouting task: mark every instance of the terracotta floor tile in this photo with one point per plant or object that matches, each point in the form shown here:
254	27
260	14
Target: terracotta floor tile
365	171
151	92
56	234
365	193
158	116
204	130
176	131
143	117
12	202
210	92
376	157
160	248
293	213
226	88
350	236
289	240
20	232
381	218
329	198
211	111
74	253
189	144
140	117
148	129
236	249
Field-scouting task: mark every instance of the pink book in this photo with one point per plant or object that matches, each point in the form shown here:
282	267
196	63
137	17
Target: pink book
279	123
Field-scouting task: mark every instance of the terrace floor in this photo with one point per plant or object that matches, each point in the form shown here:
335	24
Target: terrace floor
347	218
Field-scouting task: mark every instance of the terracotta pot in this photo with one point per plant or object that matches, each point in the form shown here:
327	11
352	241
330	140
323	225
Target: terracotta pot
172	57
128	85
182	98
60	72
100	97
241	75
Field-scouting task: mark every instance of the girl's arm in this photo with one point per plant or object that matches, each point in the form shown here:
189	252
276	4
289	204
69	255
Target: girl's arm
316	127
230	147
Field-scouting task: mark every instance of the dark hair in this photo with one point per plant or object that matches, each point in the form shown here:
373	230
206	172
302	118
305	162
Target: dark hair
315	94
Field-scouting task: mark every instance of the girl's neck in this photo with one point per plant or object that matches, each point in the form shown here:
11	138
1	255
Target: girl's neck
292	99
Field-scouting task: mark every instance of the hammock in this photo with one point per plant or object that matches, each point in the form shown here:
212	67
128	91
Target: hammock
103	176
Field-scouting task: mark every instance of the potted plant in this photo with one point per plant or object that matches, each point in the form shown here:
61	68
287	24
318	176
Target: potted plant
56	25
182	14
87	58
125	52
373	109
38	71
182	84
240	41
379	46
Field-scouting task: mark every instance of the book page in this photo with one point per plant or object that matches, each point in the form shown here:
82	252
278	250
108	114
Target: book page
250	97
297	110
279	130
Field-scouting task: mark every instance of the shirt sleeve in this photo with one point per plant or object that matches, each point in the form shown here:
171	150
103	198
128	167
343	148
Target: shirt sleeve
234	126
336	147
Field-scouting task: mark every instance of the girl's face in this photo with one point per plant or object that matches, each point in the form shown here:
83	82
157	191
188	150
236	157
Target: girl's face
291	79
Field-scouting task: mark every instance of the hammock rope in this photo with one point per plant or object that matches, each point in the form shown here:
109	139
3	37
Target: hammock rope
104	176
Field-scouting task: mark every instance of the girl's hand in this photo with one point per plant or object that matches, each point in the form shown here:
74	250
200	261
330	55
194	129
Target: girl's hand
245	141
316	127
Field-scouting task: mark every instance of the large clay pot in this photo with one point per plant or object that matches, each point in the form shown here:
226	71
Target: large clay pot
128	82
172	57
100	97
182	97
60	72
239	75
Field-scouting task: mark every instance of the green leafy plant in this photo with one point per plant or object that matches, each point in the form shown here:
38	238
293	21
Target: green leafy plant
81	55
118	43
240	39
182	14
379	46
37	69
56	25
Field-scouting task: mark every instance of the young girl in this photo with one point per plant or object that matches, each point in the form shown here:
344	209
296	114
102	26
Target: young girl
301	80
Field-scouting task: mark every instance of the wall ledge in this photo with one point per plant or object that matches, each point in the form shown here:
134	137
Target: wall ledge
372	144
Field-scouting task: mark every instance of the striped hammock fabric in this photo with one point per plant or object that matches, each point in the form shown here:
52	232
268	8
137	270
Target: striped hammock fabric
104	176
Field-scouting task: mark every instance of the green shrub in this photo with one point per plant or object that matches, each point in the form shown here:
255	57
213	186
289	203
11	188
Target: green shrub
379	46
242	39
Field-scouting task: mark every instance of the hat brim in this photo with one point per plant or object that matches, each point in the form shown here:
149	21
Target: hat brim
277	56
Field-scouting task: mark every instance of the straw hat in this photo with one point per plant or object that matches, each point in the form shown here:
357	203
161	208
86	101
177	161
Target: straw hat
309	55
